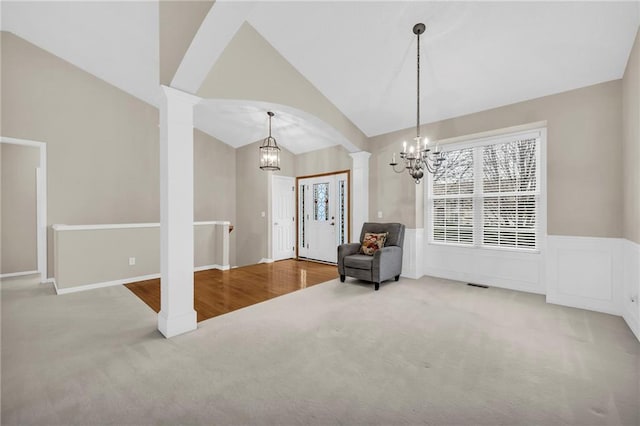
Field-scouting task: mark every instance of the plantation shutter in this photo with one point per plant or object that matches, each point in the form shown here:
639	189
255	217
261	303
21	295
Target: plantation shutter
488	195
452	207
510	194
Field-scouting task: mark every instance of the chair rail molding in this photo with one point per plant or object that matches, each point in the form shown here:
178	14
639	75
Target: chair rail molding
100	255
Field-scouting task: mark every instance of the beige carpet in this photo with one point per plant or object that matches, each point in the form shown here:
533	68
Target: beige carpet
416	352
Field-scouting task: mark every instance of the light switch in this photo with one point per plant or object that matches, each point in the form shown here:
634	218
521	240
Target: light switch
379	215
263	214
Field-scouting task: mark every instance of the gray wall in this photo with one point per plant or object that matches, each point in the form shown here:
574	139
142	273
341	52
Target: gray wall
332	159
631	145
215	183
19	232
250	68
252	198
584	159
102	144
178	23
95	256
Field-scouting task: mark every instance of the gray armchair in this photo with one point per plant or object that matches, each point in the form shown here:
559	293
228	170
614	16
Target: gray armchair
385	264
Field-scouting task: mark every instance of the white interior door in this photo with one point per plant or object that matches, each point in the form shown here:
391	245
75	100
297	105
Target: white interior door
323	217
283	217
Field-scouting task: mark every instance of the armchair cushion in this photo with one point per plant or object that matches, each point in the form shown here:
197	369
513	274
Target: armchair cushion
358	261
373	242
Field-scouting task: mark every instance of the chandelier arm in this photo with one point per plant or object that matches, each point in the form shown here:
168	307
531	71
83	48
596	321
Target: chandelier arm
430	168
393	166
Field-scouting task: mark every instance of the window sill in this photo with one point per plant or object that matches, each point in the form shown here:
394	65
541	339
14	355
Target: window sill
483	248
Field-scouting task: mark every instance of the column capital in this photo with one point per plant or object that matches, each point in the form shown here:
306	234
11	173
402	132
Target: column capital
360	156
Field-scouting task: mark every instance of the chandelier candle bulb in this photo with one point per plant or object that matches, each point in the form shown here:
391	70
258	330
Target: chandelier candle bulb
393	158
404	146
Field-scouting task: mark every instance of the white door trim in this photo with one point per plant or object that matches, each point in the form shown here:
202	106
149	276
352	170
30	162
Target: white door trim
41	200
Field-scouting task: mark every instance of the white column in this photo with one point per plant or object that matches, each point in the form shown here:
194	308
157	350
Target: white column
176	315
360	194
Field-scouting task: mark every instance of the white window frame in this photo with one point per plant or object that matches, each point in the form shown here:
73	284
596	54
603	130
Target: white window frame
541	211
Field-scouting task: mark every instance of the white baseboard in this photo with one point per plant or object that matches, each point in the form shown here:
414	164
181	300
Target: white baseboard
174	325
264	260
18	274
585	272
412	253
207	267
105	284
631	285
124	280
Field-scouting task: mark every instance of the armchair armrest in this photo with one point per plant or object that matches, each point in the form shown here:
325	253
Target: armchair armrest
346	250
387	263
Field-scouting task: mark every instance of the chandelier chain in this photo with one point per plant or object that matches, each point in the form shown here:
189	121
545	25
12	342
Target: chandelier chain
418	90
420	158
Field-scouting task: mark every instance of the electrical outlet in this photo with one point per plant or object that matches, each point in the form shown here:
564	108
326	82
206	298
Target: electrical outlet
132	261
379	215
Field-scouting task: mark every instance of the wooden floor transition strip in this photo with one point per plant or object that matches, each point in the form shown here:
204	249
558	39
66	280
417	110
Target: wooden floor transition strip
219	292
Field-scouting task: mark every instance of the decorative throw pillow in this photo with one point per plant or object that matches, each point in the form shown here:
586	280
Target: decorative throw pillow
373	242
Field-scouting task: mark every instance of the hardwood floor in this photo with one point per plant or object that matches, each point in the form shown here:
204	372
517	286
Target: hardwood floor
218	292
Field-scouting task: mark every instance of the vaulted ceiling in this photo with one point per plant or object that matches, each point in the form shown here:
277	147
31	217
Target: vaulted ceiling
358	58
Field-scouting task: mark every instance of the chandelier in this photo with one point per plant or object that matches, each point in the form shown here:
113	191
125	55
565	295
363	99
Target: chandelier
269	151
419	157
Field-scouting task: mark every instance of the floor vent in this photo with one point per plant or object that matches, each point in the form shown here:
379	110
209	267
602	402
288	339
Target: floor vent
478	285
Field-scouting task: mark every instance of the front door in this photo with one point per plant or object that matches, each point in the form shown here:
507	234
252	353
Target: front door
323	216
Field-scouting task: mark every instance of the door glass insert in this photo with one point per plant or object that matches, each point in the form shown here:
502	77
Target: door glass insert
321	201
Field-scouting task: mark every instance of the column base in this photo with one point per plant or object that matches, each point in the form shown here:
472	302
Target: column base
178	324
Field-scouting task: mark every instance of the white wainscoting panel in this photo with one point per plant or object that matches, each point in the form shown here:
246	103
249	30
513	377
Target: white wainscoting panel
493	267
585	272
631	285
412	253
